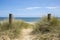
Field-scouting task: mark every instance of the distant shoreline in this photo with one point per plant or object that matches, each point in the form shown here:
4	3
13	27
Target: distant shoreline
31	22
26	19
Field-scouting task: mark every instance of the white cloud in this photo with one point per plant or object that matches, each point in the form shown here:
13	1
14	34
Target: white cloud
36	8
31	8
51	7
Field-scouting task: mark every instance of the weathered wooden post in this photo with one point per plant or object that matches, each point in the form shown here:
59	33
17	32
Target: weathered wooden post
10	19
49	17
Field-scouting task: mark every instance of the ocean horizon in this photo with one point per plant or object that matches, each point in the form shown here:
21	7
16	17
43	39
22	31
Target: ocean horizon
27	19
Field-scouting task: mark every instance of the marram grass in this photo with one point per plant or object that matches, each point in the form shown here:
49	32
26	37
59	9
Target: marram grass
47	30
13	30
42	29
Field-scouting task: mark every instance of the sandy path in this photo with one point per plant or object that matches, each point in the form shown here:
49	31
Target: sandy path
25	34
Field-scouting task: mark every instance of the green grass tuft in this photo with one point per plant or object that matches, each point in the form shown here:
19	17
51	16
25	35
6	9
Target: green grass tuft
13	30
47	30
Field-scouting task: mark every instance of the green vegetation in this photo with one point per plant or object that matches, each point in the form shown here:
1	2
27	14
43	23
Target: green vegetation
47	30
13	30
42	29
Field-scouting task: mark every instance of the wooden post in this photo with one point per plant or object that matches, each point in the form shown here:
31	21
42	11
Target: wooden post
49	17
10	19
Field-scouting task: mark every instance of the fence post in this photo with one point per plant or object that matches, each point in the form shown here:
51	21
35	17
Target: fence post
49	17
10	19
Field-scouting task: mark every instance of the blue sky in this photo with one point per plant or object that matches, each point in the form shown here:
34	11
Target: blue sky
29	8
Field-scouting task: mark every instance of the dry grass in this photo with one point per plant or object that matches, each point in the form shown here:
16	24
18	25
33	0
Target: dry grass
42	29
13	30
45	30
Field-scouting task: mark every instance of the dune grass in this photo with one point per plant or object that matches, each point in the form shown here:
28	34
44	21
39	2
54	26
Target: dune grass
42	29
13	30
47	30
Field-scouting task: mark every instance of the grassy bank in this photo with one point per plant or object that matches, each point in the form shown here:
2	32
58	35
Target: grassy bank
47	30
42	29
13	31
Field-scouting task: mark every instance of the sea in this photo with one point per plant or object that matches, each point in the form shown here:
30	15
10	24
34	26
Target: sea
27	19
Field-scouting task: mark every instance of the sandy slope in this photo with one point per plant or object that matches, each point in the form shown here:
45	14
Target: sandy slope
25	34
